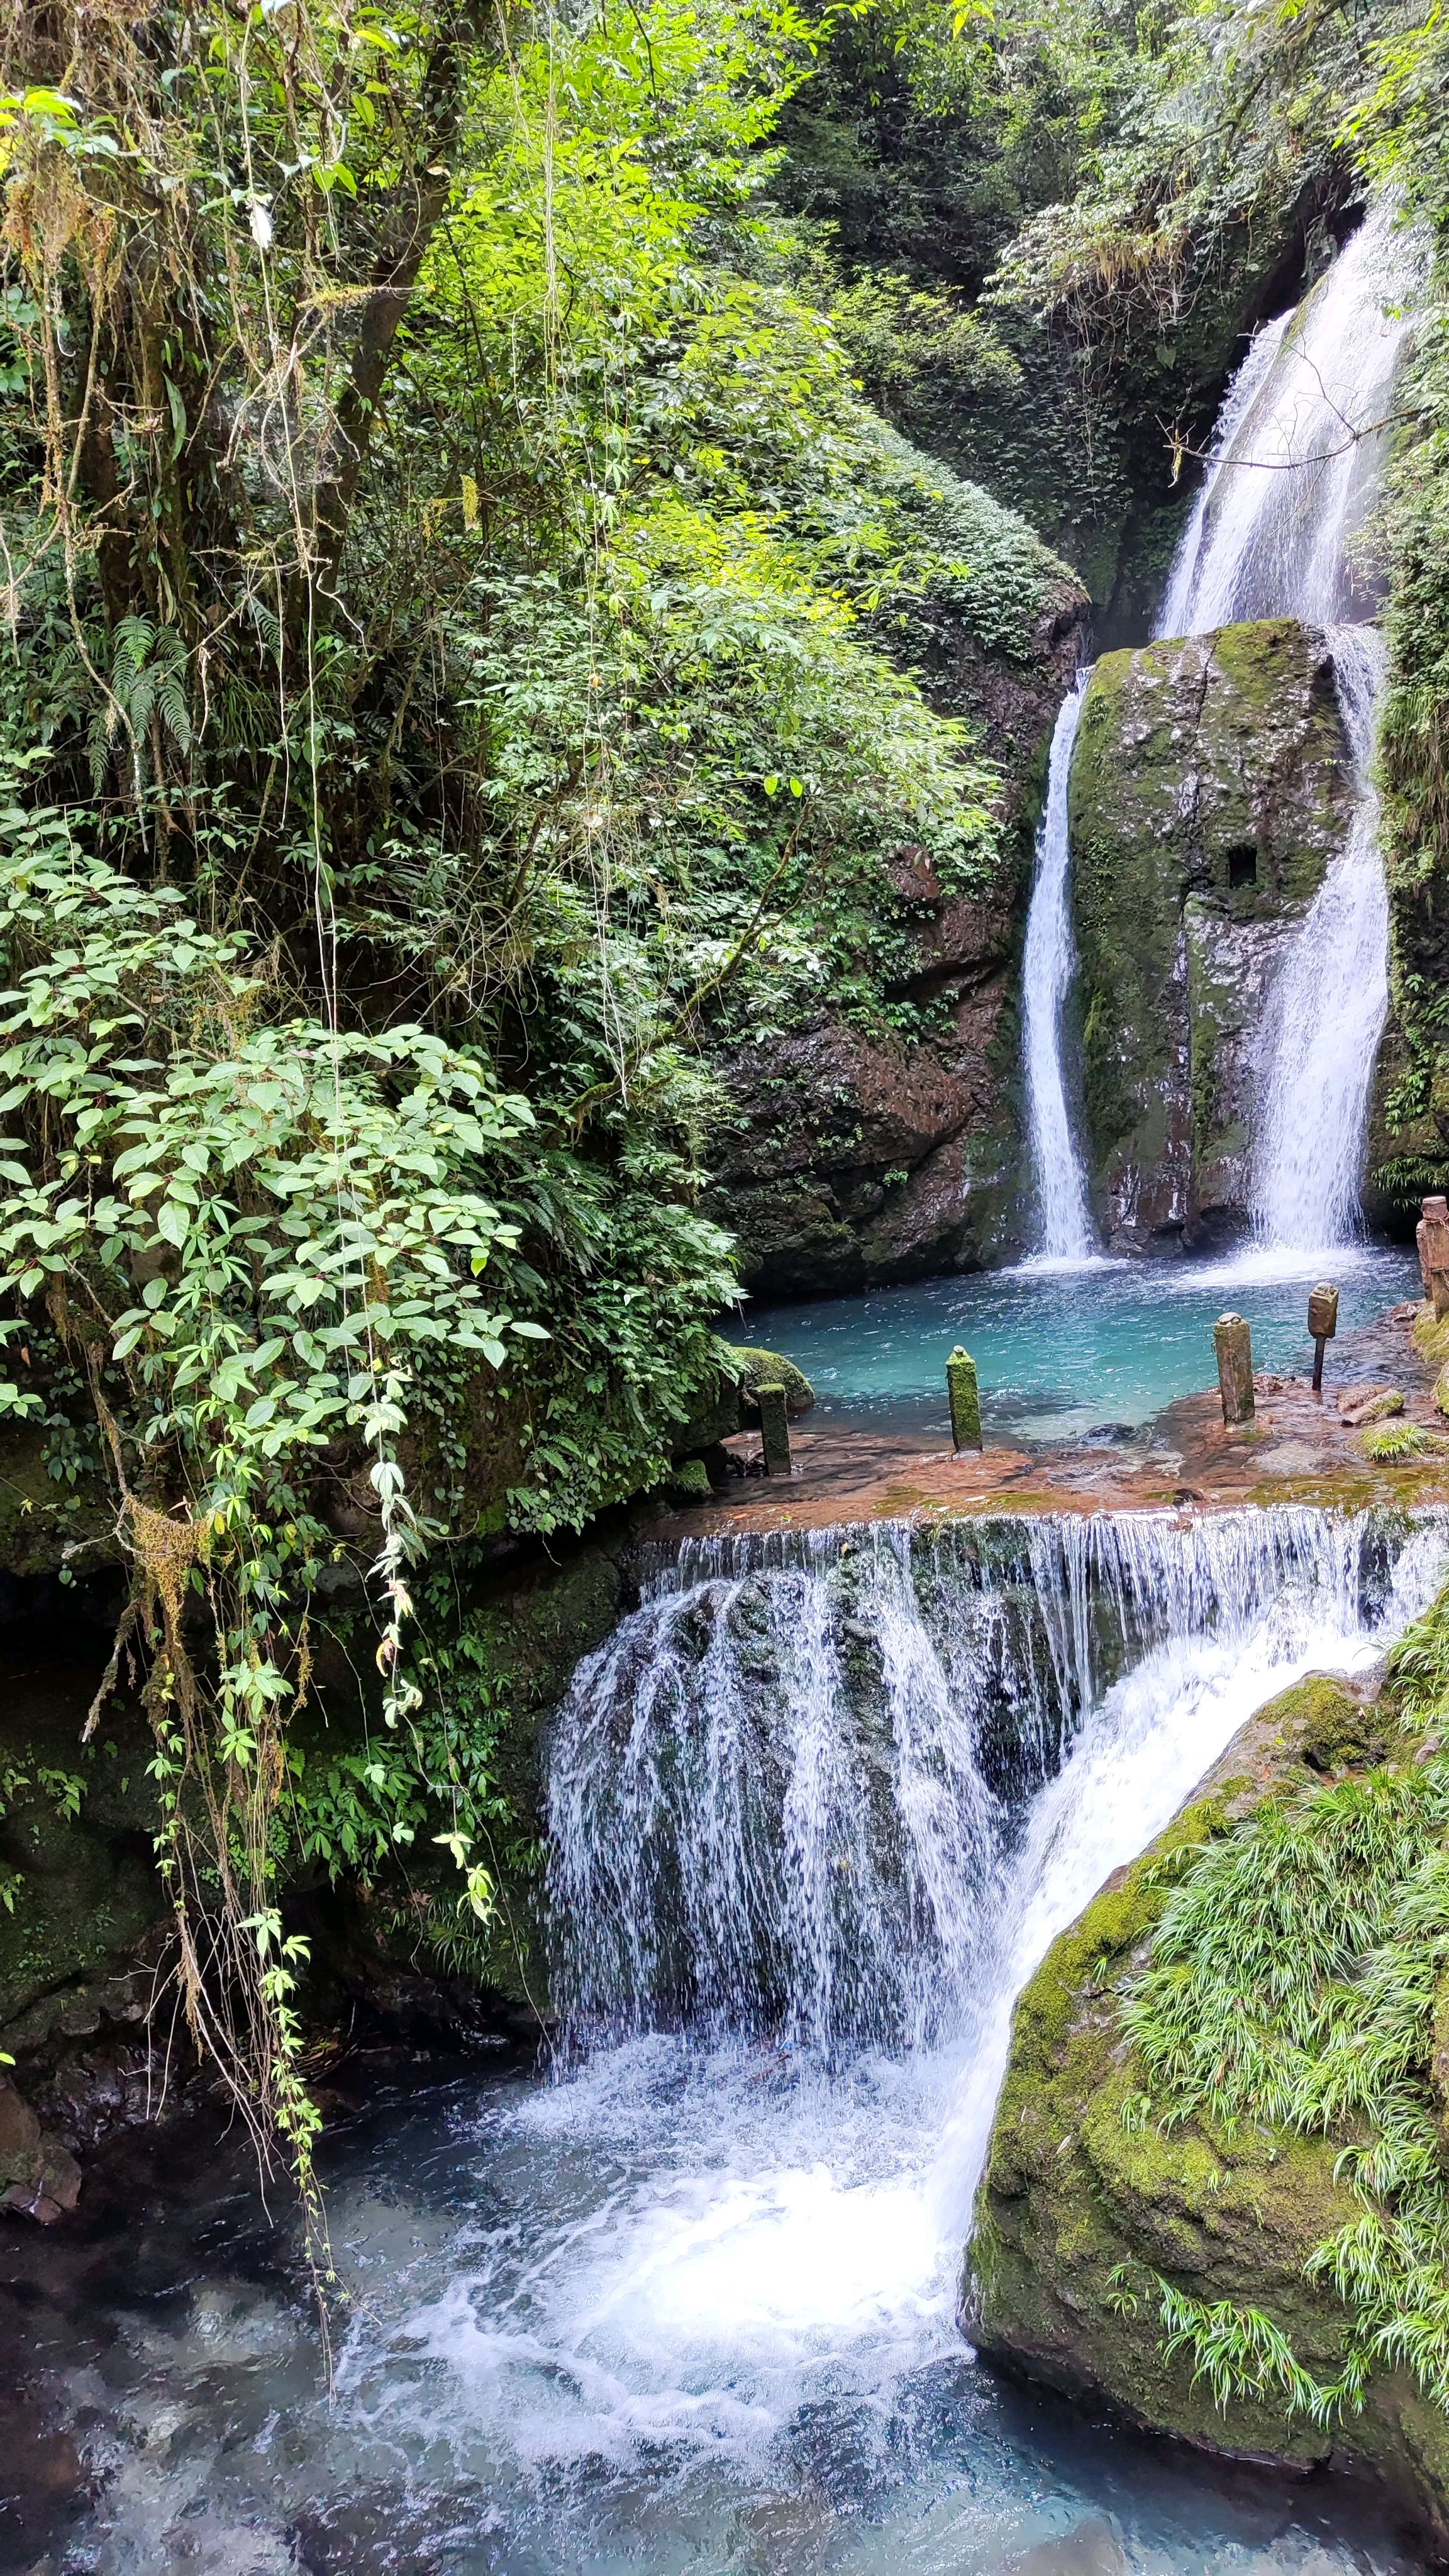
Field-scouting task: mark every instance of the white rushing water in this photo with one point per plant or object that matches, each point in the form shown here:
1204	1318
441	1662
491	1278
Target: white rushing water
1328	1005
823	1806
1048	965
1300	447
1177	615
820	1805
1294	472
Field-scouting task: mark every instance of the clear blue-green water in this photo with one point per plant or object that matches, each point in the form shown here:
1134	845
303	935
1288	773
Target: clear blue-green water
1065	1351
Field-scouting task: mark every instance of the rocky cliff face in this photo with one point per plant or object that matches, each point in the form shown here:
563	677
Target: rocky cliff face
844	1156
1211	787
1091	2203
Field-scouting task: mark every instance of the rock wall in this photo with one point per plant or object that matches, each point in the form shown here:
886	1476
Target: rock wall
844	1156
1212	785
1083	2204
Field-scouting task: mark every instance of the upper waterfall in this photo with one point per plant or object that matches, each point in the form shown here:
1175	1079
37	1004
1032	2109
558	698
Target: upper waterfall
1046	976
1294	472
1299	450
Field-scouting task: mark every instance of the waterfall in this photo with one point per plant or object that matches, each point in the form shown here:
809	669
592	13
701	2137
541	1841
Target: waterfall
1328	1005
817	1811
1294	470
1299	450
1047	968
801	1791
1175	617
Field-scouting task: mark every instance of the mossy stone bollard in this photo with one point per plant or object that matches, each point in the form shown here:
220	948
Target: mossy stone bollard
965	1397
1233	1342
774	1429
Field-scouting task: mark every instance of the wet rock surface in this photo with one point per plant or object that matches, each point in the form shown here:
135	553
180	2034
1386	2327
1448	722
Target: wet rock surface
844	1157
1212	785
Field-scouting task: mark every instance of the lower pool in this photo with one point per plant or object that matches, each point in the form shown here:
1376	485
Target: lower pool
1062	1351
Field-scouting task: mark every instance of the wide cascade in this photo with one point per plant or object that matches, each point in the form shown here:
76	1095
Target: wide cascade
818	1807
839	1791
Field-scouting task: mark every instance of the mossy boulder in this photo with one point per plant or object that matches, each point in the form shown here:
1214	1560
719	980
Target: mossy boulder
1085	2203
727	1404
1211	786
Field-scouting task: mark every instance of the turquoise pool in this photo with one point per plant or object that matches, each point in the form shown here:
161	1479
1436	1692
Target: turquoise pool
1064	1351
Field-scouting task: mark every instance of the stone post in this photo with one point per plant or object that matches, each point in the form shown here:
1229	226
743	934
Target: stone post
1322	1324
774	1429
1433	1240
965	1397
1233	1342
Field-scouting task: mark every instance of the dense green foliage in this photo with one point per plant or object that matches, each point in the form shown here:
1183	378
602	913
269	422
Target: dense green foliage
447	588
473	652
1048	229
1293	1983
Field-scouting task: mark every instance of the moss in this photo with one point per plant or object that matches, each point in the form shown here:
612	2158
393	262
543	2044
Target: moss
1210	787
87	1884
1431	1336
46	1521
720	1410
1089	2199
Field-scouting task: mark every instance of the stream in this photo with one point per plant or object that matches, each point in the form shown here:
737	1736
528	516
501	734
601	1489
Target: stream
818	1807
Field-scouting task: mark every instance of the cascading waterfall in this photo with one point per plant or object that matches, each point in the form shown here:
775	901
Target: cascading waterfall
1300	447
1295	464
819	1806
1177	615
1329	1004
1048	966
1294	471
832	1796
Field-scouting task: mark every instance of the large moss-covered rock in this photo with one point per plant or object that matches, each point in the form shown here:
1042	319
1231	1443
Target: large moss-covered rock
1212	784
1084	2203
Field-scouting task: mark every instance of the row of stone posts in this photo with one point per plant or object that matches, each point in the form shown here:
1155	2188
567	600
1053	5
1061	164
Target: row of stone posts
1233	1343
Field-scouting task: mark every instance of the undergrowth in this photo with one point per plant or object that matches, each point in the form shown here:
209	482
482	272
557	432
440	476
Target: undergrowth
1291	1985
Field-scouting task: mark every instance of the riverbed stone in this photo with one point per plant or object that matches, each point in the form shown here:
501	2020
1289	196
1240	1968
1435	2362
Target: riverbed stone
1212	784
38	2177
